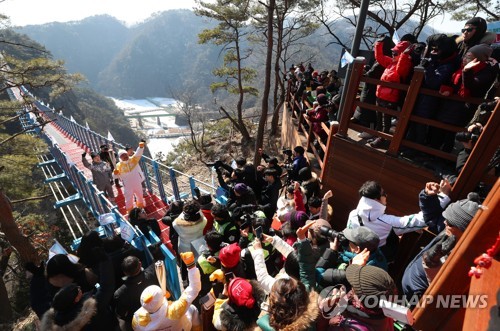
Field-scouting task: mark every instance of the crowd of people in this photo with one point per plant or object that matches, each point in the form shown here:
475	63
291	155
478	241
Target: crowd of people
268	253
460	66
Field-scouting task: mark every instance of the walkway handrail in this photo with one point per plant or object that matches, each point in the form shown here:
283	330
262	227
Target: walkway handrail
157	174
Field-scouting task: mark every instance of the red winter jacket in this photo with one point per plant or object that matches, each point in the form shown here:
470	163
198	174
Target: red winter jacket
319	115
395	71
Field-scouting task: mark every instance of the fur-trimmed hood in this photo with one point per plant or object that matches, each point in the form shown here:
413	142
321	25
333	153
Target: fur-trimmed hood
305	321
88	311
308	318
180	221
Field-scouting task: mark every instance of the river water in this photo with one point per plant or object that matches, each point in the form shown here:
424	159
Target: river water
150	125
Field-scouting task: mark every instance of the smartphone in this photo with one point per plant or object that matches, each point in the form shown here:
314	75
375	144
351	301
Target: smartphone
258	232
208	300
229	276
244	225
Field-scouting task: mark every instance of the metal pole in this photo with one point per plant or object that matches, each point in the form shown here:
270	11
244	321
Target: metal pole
363	10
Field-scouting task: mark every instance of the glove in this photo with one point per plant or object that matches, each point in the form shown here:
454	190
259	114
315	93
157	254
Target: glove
217	275
188	259
84	154
116	172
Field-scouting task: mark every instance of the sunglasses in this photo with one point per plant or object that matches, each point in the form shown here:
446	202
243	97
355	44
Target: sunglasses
468	30
395	53
383	194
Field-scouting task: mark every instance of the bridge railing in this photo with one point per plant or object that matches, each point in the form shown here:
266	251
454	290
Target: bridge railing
161	180
99	205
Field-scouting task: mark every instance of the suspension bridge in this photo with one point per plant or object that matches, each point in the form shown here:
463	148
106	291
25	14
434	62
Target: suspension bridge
67	140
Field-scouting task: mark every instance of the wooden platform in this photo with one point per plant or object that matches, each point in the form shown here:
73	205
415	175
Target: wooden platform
352	163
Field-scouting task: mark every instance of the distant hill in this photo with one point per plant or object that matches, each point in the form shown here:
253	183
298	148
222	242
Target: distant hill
82	103
145	60
162	54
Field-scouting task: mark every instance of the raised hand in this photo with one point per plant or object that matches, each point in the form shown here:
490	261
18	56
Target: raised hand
302	231
188	259
362	257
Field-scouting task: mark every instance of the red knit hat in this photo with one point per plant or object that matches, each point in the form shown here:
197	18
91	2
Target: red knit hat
240	292
229	256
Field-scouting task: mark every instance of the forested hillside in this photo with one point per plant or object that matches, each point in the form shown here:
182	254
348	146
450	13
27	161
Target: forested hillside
82	103
158	57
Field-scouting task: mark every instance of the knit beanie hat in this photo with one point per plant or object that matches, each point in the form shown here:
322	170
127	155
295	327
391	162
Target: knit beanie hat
370	281
65	297
460	213
479	23
122	152
240	188
240	293
482	52
297	219
191	211
94	154
229	255
152	298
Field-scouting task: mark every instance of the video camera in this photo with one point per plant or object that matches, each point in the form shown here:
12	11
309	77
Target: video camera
468	136
246	215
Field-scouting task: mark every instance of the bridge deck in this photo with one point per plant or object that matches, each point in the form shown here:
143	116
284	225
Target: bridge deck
155	207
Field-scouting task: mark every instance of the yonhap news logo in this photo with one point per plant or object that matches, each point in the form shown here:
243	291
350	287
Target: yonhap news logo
333	301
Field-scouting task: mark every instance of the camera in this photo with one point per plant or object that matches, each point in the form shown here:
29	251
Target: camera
287	151
332	234
468	136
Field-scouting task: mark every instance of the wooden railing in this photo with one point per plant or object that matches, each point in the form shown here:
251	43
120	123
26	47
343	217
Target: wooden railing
404	117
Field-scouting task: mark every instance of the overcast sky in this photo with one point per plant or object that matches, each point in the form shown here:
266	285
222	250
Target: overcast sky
24	12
